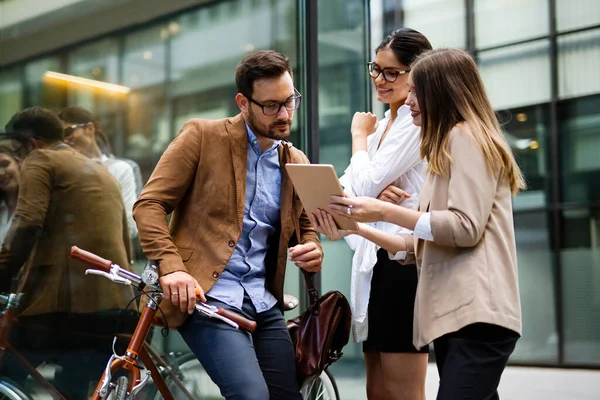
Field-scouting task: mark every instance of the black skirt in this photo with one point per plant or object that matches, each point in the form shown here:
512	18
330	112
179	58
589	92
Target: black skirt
391	307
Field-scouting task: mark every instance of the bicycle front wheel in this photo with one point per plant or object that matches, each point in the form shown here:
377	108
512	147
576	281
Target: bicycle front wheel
120	390
10	391
322	387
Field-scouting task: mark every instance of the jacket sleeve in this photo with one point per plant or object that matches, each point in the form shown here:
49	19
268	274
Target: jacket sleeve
35	188
471	193
165	188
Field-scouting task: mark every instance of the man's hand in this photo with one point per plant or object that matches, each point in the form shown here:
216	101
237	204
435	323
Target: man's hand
180	288
393	194
307	256
323	223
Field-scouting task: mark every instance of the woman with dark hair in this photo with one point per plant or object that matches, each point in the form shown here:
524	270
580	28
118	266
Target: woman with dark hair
84	133
9	188
385	164
467	300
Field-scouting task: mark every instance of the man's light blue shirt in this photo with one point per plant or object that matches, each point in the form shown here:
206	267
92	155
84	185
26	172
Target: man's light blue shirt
246	268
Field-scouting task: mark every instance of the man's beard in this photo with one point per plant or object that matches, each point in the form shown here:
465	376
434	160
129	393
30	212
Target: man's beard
270	132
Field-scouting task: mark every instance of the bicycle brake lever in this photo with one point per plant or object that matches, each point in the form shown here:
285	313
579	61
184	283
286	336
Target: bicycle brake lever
211	311
112	277
136	389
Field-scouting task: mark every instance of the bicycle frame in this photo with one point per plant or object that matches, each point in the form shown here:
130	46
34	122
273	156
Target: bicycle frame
6	321
137	347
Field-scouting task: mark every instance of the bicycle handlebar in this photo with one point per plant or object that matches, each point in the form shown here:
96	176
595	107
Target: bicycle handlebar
90	258
119	275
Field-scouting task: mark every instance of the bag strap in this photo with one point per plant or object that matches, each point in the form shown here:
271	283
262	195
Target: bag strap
313	294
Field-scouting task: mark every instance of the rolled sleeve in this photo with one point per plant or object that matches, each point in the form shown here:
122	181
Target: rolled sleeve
423	227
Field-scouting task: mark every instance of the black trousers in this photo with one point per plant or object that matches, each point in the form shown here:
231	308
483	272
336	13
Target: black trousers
471	360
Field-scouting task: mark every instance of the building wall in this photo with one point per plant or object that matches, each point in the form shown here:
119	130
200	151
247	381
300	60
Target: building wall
542	78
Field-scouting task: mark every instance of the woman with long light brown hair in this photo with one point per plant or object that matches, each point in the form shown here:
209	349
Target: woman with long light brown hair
467	300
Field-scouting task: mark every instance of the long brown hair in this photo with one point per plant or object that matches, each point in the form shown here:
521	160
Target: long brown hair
450	91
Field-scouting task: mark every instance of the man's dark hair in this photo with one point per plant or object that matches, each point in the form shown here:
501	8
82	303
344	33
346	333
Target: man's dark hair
406	44
259	65
35	122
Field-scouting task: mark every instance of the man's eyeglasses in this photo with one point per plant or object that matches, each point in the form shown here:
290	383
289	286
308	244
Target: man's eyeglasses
389	74
273	108
70	129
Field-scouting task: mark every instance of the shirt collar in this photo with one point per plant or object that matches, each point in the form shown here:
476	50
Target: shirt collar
403	111
253	141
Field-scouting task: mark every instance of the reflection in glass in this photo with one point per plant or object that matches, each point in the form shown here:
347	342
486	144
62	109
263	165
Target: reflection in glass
41	91
518	75
144	71
11	94
578	64
580	257
579	149
527	130
500	22
99	61
540	340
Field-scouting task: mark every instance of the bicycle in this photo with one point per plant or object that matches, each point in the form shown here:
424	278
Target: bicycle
183	375
10	390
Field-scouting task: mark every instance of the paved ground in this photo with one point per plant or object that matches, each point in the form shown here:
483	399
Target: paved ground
518	383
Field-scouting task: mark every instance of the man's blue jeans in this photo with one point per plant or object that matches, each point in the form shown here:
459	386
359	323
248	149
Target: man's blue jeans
258	366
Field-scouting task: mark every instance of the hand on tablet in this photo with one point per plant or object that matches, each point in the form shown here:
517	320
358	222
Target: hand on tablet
307	256
360	209
324	223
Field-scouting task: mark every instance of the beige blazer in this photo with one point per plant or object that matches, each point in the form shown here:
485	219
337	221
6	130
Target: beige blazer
468	274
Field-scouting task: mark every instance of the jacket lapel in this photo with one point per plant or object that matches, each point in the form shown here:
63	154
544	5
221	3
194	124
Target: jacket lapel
238	139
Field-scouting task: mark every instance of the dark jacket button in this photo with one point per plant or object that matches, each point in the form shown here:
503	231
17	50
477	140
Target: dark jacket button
215	274
231	243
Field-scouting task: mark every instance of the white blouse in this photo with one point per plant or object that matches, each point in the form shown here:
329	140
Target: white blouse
397	161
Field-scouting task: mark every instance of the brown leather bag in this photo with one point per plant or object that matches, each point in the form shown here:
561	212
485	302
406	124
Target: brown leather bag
321	332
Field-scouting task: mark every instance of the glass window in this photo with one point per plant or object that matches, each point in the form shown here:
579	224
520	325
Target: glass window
11	94
442	21
539	343
144	71
518	75
41	89
580	257
527	131
579	136
343	83
202	82
573	14
500	22
578	64
99	61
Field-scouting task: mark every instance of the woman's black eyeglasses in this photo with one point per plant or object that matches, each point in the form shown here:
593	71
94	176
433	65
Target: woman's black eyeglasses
272	108
389	74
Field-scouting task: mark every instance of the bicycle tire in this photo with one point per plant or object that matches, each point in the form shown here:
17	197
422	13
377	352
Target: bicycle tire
120	390
11	391
322	387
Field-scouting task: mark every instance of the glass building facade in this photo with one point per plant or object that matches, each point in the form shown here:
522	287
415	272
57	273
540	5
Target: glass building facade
539	60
